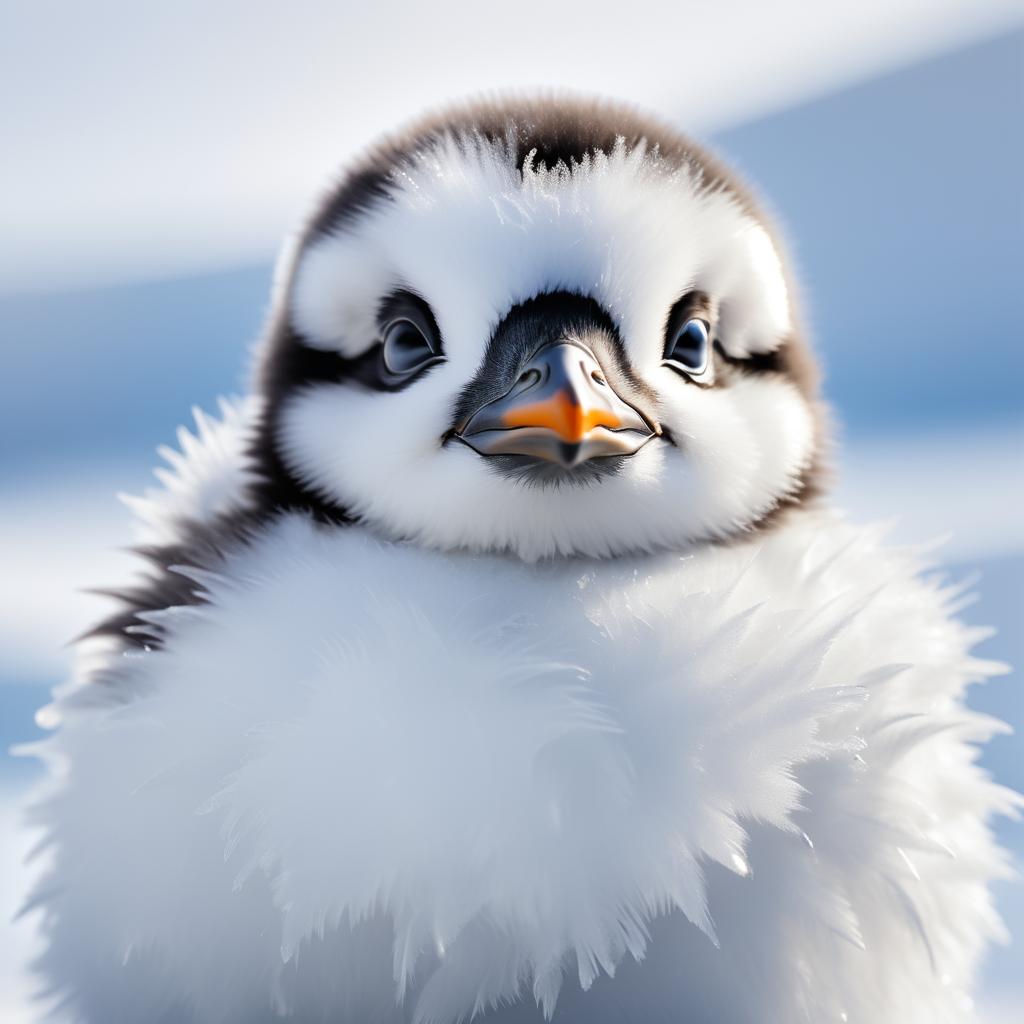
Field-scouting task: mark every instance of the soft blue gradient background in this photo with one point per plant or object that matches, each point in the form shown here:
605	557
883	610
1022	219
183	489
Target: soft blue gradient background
902	199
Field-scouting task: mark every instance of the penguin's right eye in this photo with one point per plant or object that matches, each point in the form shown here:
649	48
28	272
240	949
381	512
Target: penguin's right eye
406	349
410	341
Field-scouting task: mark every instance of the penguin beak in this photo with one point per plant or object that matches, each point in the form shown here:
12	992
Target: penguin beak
561	409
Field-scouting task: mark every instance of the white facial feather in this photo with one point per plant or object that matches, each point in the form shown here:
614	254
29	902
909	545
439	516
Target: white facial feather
473	236
737	446
470	232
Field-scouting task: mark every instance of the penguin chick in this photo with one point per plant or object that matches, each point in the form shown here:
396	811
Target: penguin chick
500	657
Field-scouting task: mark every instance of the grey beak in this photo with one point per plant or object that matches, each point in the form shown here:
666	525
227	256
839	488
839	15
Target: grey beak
561	409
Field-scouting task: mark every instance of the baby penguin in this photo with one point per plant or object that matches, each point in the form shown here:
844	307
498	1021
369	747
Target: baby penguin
499	657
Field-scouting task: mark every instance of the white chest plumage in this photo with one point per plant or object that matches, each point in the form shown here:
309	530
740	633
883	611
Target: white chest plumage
368	782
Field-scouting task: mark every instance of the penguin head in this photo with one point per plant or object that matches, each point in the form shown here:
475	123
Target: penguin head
545	328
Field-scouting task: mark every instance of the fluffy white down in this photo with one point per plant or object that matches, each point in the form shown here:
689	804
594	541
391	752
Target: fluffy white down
206	477
367	782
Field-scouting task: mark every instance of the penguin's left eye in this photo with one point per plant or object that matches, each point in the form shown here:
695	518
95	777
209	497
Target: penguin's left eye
688	346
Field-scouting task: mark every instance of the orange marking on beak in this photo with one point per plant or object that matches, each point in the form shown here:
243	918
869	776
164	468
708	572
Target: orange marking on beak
563	414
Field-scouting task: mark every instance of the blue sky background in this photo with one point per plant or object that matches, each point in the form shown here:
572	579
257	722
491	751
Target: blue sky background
901	194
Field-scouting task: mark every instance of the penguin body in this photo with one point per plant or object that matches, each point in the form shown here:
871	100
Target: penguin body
499	660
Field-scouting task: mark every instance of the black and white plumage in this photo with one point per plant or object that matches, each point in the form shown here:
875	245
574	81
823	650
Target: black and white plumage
499	657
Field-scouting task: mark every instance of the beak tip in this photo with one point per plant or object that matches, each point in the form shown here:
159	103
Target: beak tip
569	454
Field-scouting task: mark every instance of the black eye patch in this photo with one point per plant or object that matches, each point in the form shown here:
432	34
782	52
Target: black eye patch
408	343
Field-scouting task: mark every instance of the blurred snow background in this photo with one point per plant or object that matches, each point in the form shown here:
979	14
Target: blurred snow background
153	156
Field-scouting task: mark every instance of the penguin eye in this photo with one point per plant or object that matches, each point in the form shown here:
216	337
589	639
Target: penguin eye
406	349
688	346
409	340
